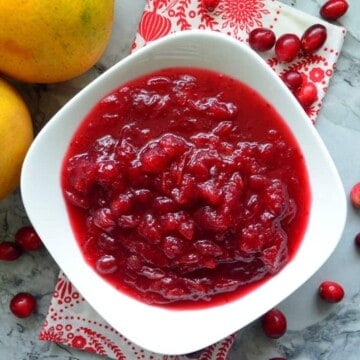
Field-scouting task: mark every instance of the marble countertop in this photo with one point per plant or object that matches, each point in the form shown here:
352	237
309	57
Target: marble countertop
315	330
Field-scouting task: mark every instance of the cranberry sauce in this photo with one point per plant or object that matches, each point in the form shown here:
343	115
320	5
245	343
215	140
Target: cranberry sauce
185	188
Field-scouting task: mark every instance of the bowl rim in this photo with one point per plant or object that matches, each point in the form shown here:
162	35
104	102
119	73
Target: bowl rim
166	338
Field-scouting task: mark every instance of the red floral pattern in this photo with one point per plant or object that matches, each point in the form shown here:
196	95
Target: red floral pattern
242	15
154	26
237	18
70	320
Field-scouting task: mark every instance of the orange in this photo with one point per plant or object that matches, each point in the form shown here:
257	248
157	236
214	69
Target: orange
16	135
46	41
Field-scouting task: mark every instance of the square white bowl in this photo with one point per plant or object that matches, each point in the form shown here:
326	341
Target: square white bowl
154	328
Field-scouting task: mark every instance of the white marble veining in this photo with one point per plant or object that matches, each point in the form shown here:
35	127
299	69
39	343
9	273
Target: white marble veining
315	330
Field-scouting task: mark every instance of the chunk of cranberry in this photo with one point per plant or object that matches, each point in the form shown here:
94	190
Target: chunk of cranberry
211	192
187	229
262	39
151	273
106	264
77	199
104	219
331	291
287	47
82	173
28	239
125	151
108	171
163	204
223	128
106	242
214	108
172	144
149	229
179	222
133	263
333	9
274	323
153	158
122	204
128	221
143	196
307	94
292	79
208	248
23	305
212	220
186	192
191	258
173	246
9	251
313	38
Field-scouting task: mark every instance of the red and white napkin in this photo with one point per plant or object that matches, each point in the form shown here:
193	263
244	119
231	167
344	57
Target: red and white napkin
70	320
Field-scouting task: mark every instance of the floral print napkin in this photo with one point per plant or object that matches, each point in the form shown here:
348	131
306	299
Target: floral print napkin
70	320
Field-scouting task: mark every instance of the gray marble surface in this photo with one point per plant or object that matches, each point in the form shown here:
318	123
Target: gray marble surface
315	330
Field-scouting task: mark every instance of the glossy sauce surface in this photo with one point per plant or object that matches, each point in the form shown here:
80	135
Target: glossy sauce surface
186	189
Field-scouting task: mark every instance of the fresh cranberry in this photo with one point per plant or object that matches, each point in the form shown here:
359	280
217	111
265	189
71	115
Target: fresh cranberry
23	305
357	239
287	47
210	5
261	39
274	323
9	251
313	38
307	94
333	9
355	195
292	79
28	239
331	291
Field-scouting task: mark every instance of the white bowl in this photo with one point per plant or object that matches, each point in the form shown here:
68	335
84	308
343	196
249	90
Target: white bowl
154	328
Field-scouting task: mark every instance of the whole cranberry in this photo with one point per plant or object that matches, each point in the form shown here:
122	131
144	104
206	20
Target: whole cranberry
274	323
261	39
331	291
287	47
210	5
357	239
313	38
9	251
333	9
28	239
307	94
292	79
23	305
355	195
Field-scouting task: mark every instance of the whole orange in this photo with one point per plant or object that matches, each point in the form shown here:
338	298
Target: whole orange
46	41
16	135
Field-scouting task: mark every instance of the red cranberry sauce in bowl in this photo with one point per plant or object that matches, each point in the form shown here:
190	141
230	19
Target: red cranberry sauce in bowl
185	188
